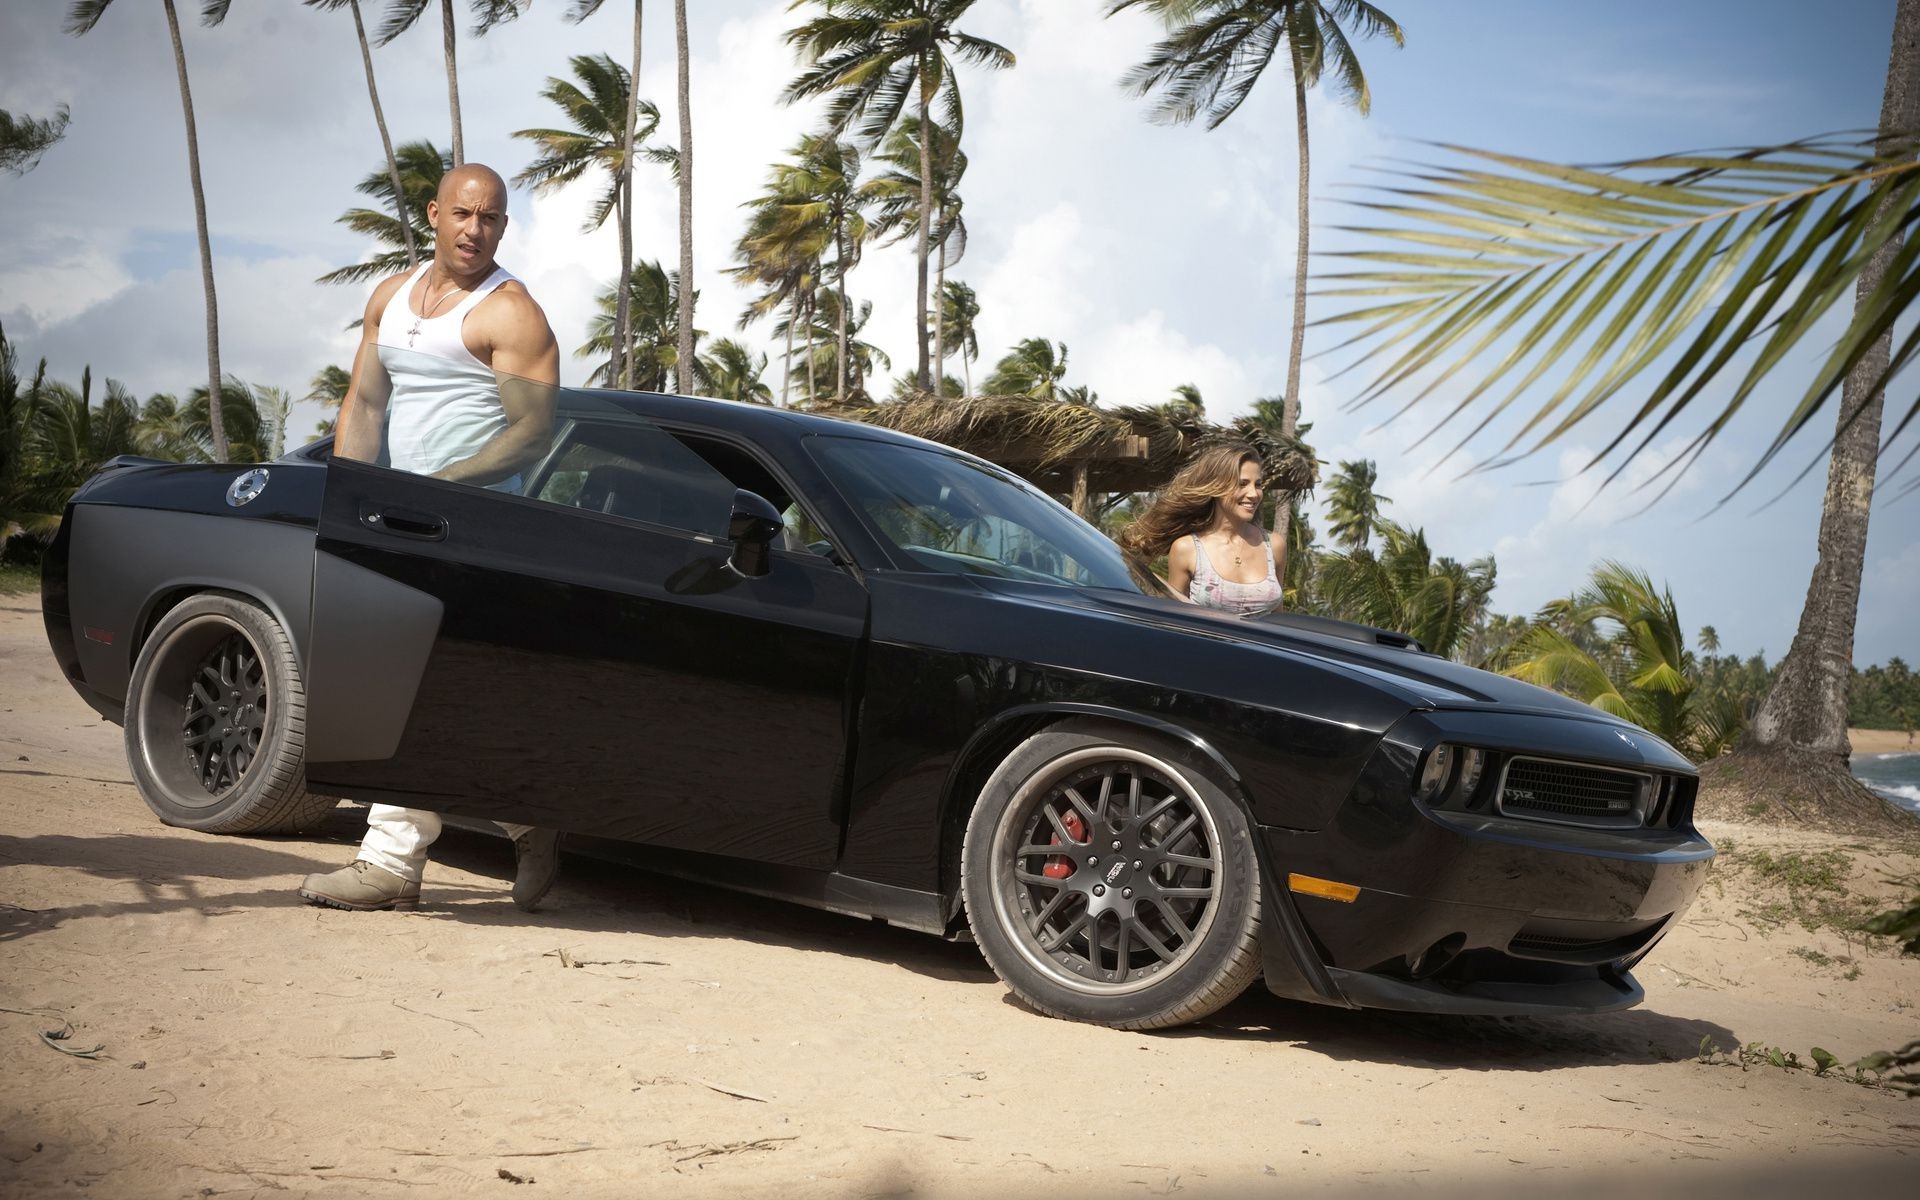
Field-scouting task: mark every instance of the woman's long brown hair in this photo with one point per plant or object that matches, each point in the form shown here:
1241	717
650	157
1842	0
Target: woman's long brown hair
1185	505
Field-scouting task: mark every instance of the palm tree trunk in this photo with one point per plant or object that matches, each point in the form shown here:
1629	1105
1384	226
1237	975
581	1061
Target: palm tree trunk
940	324
926	220
683	369
966	364
453	79
623	311
620	370
1290	403
386	141
216	420
840	348
1806	710
813	382
786	373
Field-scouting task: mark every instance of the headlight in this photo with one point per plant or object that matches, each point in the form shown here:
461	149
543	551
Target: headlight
1433	776
1472	762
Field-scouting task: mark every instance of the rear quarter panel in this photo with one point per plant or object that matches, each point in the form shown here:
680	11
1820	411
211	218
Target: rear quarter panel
141	539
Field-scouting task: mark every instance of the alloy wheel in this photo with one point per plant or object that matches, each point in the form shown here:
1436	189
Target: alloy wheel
1107	870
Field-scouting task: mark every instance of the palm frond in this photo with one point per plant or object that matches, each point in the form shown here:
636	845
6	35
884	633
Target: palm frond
1495	262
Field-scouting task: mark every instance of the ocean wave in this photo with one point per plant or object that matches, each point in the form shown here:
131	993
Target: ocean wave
1906	795
1891	754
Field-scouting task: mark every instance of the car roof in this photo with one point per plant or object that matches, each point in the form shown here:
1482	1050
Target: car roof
750	420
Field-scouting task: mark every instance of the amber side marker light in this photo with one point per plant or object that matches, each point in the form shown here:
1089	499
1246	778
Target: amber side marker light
1326	889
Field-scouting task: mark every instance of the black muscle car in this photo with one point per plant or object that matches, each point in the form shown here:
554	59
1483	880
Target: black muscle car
819	660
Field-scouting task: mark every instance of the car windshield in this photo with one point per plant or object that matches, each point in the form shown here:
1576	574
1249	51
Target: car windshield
941	512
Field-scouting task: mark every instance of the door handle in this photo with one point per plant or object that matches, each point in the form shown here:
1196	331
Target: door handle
405	522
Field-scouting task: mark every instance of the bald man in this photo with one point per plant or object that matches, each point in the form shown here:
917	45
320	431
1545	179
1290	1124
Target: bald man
457	368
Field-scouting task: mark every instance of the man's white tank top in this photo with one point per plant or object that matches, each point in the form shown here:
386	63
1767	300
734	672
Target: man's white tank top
445	403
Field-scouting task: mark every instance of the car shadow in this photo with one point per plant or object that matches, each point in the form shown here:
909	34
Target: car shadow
597	896
172	871
1635	1035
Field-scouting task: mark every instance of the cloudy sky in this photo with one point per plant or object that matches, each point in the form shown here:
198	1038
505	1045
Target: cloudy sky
1160	256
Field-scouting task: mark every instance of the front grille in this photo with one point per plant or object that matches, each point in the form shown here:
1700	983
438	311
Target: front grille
1572	793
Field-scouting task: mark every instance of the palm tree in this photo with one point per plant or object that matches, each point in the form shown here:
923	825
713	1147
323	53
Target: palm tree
1213	54
1405	588
401	14
1709	640
824	318
733	372
623	317
241	413
785	268
163	430
597	106
1641	672
959	308
684	174
379	119
81	19
1694	260
421	166
23	139
871	56
899	190
812	204
66	439
654	297
328	387
1353	506
1034	367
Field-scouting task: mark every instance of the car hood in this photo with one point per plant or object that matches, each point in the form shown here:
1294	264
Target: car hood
1426	680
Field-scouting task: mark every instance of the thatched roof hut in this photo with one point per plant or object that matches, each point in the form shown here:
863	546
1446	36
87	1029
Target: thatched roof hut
1079	451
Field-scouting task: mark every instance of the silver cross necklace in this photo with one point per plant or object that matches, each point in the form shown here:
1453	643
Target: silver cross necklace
414	333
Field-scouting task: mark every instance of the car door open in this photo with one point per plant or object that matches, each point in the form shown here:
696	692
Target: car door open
582	657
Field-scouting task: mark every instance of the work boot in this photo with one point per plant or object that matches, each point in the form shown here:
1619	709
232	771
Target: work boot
536	857
361	887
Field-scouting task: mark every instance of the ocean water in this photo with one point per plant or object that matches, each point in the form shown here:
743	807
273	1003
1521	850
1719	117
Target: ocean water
1895	776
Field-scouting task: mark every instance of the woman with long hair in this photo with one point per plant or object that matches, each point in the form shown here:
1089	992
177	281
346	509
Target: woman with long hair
1207	522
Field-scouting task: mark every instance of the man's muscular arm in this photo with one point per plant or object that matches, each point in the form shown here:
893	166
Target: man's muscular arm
363	414
526	362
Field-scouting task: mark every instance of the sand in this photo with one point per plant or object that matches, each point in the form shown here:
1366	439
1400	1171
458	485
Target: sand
704	1043
1882	741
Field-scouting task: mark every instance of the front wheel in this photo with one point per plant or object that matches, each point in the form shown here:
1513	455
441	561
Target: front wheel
1108	878
216	721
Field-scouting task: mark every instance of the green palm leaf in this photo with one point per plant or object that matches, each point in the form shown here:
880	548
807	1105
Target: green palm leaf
1490	264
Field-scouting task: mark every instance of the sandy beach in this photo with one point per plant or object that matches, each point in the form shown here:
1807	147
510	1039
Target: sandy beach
1882	741
644	1036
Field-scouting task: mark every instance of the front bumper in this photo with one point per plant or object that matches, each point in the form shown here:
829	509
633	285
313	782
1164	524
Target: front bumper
1470	913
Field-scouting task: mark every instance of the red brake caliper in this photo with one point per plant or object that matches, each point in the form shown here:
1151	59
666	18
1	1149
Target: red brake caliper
1060	866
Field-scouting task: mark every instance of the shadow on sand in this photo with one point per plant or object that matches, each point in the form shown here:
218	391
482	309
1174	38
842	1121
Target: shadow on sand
172	872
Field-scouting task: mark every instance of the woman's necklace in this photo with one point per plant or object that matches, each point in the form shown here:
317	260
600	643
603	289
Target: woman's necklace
414	332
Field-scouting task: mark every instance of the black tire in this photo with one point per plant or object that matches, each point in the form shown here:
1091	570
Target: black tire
225	760
1165	931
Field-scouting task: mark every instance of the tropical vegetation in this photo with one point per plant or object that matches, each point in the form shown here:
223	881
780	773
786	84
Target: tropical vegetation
870	58
23	138
1686	268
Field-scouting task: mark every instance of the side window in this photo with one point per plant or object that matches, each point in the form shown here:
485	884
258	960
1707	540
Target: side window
640	473
803	535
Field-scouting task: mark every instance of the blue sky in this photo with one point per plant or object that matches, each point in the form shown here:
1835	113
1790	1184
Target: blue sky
1159	255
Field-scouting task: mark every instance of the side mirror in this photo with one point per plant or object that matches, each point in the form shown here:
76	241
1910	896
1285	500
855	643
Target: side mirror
751	527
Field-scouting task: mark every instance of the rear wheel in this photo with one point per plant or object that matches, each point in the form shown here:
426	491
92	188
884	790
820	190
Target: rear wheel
1109	878
216	721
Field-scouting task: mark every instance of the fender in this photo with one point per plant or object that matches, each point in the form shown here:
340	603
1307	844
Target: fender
171	592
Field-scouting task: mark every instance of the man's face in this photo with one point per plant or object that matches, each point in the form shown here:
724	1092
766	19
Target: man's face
468	226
